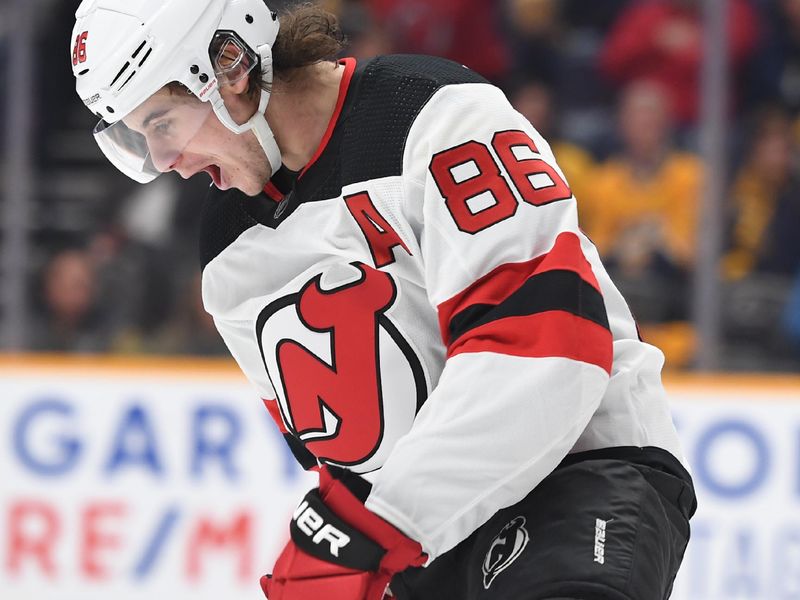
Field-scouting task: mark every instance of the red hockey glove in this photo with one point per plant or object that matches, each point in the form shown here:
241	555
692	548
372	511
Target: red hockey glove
339	550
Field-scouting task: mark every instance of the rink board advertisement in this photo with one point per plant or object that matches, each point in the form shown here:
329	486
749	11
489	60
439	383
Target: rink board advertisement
158	480
130	486
742	440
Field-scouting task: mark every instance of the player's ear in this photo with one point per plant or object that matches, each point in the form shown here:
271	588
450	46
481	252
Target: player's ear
240	87
241	105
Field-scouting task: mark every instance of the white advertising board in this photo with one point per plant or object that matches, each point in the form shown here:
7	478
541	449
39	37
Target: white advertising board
132	487
146	483
743	445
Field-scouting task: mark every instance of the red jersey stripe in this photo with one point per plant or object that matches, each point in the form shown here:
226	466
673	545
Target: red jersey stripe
501	282
547	334
344	85
272	192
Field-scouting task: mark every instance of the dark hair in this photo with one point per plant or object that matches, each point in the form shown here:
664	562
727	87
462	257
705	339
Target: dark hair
308	35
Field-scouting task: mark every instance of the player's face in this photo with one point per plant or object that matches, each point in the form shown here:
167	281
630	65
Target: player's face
184	135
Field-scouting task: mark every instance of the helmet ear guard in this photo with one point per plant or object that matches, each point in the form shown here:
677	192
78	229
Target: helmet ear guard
231	58
250	42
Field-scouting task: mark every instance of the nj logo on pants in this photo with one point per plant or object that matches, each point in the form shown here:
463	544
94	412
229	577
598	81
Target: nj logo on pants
504	549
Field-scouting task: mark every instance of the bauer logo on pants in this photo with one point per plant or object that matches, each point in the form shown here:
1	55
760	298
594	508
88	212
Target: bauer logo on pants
505	549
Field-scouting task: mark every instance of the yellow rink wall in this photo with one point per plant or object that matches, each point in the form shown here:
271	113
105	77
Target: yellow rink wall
111	365
138	478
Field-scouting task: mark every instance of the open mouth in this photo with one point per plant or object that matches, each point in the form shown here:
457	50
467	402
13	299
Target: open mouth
216	175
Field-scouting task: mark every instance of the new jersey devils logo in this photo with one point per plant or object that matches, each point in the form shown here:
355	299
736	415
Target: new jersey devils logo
504	549
345	375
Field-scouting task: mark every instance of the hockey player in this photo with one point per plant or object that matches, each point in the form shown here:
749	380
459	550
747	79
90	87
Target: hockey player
412	297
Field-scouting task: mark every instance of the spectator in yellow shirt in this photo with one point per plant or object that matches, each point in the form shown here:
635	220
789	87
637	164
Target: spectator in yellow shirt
765	197
641	210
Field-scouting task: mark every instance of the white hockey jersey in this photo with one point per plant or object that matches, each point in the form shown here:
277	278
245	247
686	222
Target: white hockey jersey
423	308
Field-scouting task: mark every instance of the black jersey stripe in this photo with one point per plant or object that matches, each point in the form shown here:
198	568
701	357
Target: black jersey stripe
552	290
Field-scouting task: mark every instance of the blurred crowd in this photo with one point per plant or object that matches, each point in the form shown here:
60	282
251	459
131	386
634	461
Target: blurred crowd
614	87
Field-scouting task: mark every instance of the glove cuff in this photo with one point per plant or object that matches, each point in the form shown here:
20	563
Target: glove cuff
344	493
318	531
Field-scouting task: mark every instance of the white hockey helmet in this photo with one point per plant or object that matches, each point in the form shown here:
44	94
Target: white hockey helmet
125	51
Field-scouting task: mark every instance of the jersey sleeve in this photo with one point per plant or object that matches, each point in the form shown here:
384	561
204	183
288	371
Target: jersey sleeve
521	314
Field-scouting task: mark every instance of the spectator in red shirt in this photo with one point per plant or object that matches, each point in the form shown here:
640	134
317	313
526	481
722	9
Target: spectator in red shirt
465	31
662	40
